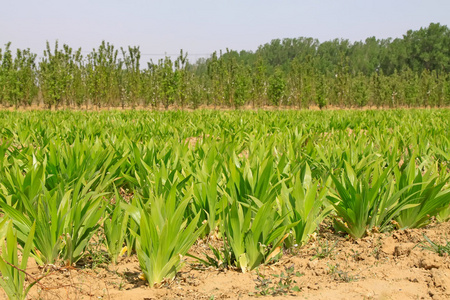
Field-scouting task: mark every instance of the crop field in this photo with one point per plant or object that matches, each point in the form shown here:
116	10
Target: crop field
225	204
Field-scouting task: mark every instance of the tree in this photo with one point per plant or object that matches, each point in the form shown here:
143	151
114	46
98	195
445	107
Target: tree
277	87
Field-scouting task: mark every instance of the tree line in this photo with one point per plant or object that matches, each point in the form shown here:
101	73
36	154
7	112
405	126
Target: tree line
411	71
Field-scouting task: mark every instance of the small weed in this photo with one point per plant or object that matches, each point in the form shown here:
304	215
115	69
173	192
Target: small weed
220	260
434	247
356	255
339	274
95	256
377	250
120	285
345	276
324	250
263	284
282	284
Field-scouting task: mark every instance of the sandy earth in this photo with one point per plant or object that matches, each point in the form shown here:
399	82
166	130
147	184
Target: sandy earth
381	266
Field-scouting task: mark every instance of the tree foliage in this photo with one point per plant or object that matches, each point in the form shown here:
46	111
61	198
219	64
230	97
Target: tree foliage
302	72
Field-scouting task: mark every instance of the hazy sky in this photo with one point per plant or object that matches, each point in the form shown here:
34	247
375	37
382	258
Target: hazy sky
201	26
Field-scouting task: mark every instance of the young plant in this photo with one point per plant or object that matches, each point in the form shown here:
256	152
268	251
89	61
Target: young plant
165	236
130	238
13	274
304	202
66	219
424	195
206	199
253	237
115	227
82	221
365	202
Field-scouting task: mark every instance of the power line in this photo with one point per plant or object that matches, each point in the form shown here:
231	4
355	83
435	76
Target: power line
39	56
162	54
170	54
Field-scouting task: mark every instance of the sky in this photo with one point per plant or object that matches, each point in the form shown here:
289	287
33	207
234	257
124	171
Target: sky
201	27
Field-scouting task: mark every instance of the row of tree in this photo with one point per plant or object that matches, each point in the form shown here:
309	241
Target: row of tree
411	71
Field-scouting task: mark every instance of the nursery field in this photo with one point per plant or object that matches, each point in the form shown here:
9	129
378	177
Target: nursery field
344	204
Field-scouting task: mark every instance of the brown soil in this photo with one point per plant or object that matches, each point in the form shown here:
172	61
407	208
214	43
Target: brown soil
382	266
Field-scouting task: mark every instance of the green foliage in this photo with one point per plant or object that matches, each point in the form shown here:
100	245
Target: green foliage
102	69
321	95
366	202
115	226
206	199
360	91
13	275
409	71
304	205
253	237
277	88
242	88
424	194
258	181
67	213
164	236
17	77
56	74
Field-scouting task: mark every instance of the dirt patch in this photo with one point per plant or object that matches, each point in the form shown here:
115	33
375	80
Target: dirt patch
245	153
381	266
193	140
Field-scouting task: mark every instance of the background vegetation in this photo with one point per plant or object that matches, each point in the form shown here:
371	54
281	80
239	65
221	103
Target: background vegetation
410	71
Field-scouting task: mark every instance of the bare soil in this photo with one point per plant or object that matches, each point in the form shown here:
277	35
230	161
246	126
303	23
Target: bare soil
381	266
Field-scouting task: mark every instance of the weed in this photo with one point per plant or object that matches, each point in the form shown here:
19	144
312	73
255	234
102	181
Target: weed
356	255
339	274
263	284
220	259
435	247
283	283
95	257
323	250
